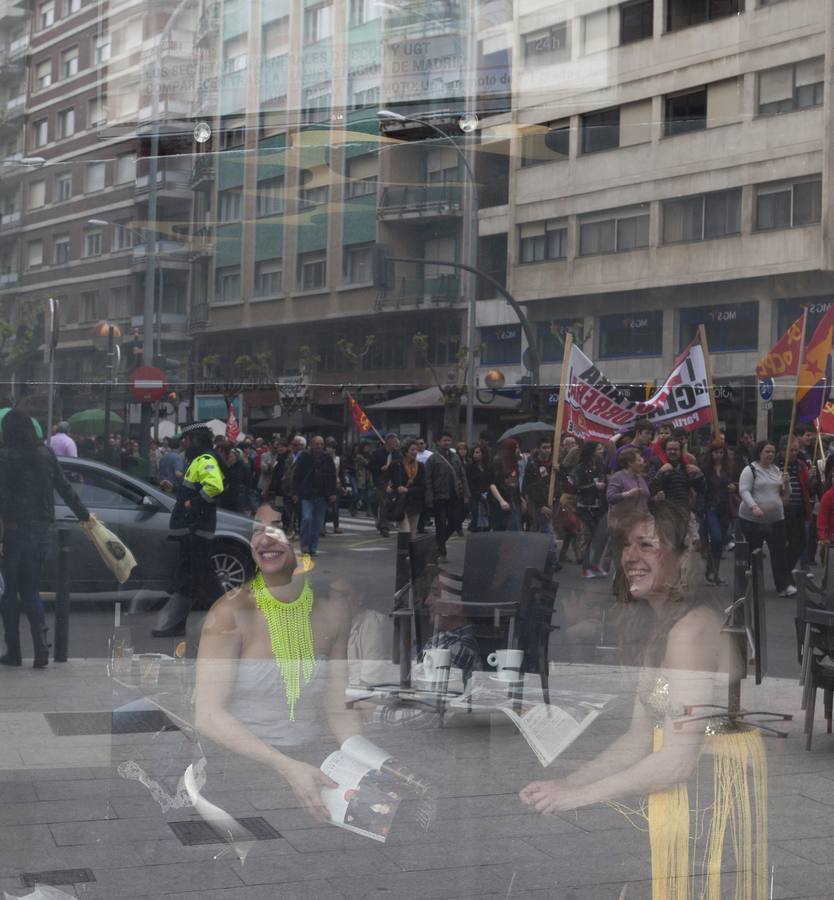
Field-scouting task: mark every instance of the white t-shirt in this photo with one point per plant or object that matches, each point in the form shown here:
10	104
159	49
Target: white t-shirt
423	456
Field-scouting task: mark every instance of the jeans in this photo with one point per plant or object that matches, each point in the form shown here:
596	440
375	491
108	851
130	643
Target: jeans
312	521
596	535
24	551
758	533
796	528
445	521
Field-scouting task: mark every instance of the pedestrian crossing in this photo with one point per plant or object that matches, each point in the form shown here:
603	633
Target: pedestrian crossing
360	524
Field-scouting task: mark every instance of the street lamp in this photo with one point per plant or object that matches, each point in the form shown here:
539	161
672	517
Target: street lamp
104	337
468	123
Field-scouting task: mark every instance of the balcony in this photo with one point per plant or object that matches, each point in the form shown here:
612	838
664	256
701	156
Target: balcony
437	289
8	279
19	47
205	171
10	220
13	111
171	182
429	201
169	255
12	11
208	26
199	317
171	325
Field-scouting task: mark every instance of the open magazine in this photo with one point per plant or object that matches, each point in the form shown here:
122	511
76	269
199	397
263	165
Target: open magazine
549	728
371	787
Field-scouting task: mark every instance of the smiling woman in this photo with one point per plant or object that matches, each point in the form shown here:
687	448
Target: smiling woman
676	640
271	672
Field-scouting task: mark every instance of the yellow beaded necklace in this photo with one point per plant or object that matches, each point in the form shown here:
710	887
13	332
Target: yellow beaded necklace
290	634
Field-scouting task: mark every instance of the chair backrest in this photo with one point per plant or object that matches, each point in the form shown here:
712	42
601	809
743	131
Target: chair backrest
495	563
759	617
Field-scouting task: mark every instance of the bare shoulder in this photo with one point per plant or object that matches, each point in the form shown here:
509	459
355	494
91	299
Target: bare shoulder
230	611
695	641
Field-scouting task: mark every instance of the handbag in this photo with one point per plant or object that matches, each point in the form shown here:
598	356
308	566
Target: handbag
114	553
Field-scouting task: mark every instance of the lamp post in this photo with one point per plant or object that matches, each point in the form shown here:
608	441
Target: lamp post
468	123
105	334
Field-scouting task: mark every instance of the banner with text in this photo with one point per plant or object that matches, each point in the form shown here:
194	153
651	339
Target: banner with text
596	409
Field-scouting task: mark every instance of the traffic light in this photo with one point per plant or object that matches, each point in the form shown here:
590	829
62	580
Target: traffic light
382	267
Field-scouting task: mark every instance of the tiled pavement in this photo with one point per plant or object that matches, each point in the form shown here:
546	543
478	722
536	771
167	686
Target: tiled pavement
63	805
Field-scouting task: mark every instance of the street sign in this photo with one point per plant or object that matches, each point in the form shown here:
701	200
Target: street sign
147	384
766	389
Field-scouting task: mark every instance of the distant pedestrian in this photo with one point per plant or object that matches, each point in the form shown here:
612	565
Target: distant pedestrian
408	489
61	442
506	488
313	487
380	467
445	482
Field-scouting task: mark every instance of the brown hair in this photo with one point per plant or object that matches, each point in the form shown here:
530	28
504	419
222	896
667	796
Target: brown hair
626	457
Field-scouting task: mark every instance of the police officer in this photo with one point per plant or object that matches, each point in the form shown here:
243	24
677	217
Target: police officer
193	522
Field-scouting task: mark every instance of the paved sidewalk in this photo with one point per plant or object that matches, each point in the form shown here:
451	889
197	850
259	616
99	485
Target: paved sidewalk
64	805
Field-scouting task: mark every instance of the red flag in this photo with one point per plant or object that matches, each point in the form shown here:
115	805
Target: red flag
232	428
360	420
783	356
826	419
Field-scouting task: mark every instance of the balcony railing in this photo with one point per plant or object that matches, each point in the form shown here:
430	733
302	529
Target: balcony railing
7	279
421	200
198	317
204	170
167	179
9	220
19	46
432	289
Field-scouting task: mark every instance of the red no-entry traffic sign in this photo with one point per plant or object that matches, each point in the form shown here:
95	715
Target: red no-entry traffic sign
147	384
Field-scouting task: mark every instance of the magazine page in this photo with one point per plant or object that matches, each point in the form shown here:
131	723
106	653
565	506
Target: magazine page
365	801
364	751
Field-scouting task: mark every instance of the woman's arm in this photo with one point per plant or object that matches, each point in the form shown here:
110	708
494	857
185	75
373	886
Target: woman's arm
344	722
691	648
221	642
615	492
745	487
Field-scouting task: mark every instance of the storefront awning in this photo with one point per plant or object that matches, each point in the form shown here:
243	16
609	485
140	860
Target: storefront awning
430	398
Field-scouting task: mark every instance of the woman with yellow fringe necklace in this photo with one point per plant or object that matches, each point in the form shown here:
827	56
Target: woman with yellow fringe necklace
271	675
676	641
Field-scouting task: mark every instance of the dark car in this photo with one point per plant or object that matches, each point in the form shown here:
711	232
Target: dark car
139	513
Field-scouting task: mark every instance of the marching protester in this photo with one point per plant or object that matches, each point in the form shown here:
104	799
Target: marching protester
675	480
408	488
798	504
313	487
589	480
505	488
536	485
479	478
627	488
445	483
763	487
719	486
380	468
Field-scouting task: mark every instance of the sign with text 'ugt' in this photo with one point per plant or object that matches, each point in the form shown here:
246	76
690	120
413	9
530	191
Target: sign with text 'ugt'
596	409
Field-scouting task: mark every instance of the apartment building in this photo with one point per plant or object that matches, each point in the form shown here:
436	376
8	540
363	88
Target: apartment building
676	171
75	222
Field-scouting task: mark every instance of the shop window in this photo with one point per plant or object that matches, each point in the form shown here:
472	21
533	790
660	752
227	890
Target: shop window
633	334
734	326
501	344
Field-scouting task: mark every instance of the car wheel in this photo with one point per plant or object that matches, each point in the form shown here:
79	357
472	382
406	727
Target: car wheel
232	564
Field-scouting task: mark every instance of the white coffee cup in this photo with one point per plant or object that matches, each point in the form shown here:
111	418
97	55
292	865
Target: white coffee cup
436	663
508	663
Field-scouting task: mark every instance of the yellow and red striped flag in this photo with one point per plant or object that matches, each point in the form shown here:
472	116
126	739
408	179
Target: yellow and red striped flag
783	356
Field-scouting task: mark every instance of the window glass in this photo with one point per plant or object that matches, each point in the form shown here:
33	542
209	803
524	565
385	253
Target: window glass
501	344
686	112
636	334
548	46
601	131
636	21
734	326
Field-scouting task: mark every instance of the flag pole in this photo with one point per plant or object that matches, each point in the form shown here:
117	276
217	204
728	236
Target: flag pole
560	415
702	337
796	389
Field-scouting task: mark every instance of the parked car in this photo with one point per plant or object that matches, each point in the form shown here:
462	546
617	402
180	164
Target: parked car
139	514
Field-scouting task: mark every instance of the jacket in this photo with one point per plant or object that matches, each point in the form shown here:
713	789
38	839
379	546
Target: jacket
380	458
416	490
537	481
825	517
314	476
445	477
28	480
677	483
201	485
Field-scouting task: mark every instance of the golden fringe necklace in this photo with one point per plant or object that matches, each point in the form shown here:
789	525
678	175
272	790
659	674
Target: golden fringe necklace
290	634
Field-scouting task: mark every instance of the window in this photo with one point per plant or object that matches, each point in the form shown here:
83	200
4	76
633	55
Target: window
89	306
312	270
314	196
595	32
601	130
40	133
538	241
276	37
125	168
34	254
270	200
550	337
269	277
788	205
501	344
545	143
66	123
95	112
616	233
94	177
123	237
69	62
731	327
234	63
231	204
387	352
685	112
362	11
636	21
444	343
357	265
234	134
318	23
551	45
316	103
101	48
227	281
362	97
788	88
129	36
43	74
637	334
46	14
120	298
702	217
63	187
71	6
684	13
37	194
61	249
92	243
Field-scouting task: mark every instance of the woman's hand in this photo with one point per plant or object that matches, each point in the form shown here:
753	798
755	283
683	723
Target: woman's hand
757	511
306	782
505	507
402	489
549	797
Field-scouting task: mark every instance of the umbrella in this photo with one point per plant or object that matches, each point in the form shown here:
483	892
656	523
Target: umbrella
35	422
90	422
528	434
